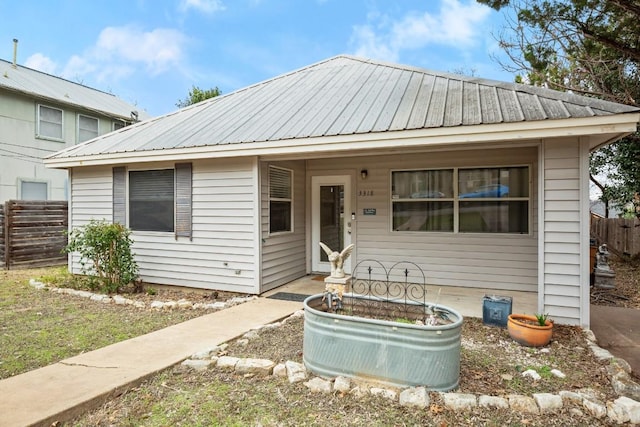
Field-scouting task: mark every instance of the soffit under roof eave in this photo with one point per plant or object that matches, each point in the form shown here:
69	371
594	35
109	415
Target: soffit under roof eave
602	129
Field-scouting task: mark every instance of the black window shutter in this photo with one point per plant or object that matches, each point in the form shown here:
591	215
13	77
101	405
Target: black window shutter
119	213
183	200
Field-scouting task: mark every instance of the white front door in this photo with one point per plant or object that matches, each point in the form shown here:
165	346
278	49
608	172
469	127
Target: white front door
331	221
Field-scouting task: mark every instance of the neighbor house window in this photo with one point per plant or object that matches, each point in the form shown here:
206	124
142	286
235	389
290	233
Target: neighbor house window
119	124
151	200
33	190
280	200
87	128
50	123
464	200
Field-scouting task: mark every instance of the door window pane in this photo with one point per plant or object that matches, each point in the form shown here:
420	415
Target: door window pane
331	218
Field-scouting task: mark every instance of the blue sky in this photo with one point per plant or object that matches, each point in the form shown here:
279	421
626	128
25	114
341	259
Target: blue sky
151	52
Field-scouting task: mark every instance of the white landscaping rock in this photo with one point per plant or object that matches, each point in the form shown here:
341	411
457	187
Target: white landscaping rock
296	372
207	354
600	353
198	365
485	401
318	385
594	408
571	397
548	402
532	374
227	363
342	384
557	373
384	392
624	409
415	396
521	403
280	370
255	366
459	401
157	305
119	300
251	335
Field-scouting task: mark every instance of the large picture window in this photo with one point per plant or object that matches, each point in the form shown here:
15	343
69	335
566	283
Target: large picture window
280	200
49	123
151	200
464	200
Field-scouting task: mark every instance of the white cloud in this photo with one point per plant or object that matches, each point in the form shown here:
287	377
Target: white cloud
39	62
206	6
454	24
121	51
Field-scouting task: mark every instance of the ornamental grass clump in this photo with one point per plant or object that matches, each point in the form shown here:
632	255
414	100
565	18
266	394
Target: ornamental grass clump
105	253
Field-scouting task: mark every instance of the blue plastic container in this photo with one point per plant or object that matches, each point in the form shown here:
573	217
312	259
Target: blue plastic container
496	310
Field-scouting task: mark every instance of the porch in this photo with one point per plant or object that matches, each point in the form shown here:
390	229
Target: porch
467	301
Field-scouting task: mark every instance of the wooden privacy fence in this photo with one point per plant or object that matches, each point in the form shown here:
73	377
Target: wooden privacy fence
33	233
622	236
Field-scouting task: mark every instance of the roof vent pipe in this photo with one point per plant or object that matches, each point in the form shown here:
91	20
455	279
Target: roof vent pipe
15	52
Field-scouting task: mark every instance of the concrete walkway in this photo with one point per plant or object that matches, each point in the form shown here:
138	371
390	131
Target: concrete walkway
73	386
617	330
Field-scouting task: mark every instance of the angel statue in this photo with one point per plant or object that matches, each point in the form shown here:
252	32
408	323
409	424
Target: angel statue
337	259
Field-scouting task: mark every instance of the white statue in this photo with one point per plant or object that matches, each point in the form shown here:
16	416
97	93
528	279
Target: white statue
337	259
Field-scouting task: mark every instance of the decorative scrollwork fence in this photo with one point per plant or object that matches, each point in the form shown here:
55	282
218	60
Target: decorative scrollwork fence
397	293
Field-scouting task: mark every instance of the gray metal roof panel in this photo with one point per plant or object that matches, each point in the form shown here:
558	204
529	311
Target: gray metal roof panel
342	96
44	86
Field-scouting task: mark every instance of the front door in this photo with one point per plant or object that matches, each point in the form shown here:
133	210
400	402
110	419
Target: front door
331	221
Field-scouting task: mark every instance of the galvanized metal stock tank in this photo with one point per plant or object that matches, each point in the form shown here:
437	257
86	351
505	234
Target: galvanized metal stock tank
393	353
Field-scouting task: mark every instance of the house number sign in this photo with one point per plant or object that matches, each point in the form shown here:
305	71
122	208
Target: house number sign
369	211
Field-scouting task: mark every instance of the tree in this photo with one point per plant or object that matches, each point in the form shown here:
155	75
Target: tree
196	95
591	47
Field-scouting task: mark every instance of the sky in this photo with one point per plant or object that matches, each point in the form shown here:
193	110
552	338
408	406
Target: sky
152	52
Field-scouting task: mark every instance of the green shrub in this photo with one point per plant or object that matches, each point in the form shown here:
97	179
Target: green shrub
105	253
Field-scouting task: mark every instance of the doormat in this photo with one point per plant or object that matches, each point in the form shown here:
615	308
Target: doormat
319	278
288	296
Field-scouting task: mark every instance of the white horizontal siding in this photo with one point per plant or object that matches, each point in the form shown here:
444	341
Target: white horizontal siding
489	261
561	296
90	199
221	254
283	255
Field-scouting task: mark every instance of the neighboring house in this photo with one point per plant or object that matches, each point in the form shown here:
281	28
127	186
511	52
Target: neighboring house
597	208
235	192
41	114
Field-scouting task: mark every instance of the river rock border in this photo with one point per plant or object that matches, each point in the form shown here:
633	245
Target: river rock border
580	403
157	305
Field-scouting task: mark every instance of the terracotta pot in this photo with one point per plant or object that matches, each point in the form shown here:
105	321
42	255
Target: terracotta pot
524	329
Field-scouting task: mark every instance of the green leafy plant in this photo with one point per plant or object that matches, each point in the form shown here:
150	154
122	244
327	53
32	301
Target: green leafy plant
542	319
105	253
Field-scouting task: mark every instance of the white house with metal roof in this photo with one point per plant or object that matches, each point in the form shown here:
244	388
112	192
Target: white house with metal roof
41	114
482	184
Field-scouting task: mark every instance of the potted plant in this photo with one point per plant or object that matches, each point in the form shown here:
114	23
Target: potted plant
528	330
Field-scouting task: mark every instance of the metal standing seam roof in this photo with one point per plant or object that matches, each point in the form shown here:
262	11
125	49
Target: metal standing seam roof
345	95
37	84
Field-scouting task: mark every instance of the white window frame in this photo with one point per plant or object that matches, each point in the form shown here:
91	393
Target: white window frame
78	129
38	120
456	200
290	200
